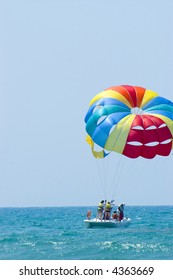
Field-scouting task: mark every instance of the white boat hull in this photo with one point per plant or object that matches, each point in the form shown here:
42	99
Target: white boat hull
111	224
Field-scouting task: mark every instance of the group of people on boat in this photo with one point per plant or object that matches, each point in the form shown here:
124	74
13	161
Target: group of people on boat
104	210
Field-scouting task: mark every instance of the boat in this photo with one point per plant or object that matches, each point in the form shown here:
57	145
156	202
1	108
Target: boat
108	223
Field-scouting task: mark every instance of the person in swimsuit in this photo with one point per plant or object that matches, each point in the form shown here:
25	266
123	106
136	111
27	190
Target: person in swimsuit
108	209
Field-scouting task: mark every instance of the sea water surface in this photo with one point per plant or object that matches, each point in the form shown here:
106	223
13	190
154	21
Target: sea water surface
59	233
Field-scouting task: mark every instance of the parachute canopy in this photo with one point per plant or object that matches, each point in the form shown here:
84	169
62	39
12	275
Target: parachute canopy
130	120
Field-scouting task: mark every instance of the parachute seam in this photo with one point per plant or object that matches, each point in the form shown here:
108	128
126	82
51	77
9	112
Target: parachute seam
132	103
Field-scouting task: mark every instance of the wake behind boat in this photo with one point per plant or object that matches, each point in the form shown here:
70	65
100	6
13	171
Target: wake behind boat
107	223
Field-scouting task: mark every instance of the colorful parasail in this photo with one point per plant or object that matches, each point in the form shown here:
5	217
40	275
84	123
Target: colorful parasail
130	120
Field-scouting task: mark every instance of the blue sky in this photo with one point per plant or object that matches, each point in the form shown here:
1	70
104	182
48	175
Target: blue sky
55	56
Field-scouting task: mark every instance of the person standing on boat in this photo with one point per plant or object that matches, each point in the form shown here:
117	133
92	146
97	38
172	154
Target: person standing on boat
100	210
89	214
108	209
121	211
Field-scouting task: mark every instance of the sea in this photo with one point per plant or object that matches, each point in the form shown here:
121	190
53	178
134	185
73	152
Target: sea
59	233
